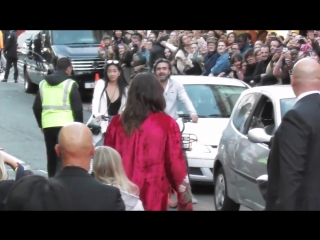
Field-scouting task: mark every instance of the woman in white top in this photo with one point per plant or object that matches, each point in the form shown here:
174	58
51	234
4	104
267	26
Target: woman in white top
108	169
110	93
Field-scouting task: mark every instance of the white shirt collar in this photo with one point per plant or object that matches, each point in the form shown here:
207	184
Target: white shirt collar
306	94
167	87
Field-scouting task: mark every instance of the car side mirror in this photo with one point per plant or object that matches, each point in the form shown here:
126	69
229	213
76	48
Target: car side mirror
258	135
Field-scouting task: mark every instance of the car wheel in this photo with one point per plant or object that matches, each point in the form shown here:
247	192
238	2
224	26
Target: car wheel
29	86
221	200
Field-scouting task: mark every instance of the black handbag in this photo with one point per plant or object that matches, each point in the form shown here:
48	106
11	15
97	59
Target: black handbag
95	129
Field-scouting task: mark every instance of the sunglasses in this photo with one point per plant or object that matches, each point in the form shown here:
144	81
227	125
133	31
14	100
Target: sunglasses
112	62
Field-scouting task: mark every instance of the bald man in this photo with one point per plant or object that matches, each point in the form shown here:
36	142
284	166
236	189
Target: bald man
87	194
294	161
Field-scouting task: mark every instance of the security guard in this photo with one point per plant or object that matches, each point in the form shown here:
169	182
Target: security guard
57	103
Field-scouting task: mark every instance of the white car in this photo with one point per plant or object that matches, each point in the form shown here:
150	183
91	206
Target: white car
214	99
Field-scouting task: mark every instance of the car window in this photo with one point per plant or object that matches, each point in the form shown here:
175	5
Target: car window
243	110
263	116
286	104
212	100
62	37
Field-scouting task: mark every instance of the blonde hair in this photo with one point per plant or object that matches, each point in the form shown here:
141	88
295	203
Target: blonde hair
108	169
3	170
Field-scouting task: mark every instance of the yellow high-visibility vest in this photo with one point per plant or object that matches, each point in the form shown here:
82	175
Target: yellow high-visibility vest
56	108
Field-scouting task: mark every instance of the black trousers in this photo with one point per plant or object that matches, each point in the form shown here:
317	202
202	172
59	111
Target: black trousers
10	62
54	163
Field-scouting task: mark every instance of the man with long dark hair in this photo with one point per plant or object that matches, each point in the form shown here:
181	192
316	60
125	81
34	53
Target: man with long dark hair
174	92
149	143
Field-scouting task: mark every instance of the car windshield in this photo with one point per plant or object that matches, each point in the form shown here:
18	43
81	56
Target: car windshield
69	37
286	104
212	100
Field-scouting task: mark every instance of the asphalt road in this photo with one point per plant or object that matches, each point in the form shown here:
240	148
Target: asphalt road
21	137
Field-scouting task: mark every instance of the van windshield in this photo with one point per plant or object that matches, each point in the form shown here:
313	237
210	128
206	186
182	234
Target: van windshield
69	37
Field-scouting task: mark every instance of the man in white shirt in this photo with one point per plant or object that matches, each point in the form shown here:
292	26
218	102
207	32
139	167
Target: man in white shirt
174	92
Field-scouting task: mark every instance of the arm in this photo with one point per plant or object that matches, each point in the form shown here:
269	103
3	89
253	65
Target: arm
185	100
292	157
220	66
13	163
96	99
171	47
175	167
277	71
76	103
37	109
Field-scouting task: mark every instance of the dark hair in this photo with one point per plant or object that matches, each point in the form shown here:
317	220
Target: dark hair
277	40
115	37
63	63
162	60
242	36
248	53
232	33
145	95
180	44
235	57
122	83
265	46
248	36
38	193
163	38
137	36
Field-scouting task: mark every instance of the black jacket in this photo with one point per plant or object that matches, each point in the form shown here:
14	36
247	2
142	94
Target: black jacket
87	194
293	164
156	53
75	98
261	68
10	46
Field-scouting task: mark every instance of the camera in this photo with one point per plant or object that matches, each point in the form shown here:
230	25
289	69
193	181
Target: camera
135	48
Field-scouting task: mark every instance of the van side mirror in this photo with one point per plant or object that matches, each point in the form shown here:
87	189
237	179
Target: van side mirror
258	135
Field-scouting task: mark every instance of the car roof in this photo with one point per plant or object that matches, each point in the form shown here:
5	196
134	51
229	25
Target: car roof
276	91
188	79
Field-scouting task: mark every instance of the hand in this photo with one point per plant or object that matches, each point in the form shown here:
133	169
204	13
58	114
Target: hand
221	74
262	75
99	118
163	43
194	118
276	56
234	68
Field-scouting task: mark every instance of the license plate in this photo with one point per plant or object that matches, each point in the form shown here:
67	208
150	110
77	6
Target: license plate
89	85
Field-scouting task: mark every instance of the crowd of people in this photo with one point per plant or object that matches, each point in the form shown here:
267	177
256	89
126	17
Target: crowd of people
133	161
258	58
141	157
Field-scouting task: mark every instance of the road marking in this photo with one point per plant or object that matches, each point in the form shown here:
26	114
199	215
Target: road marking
42	171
